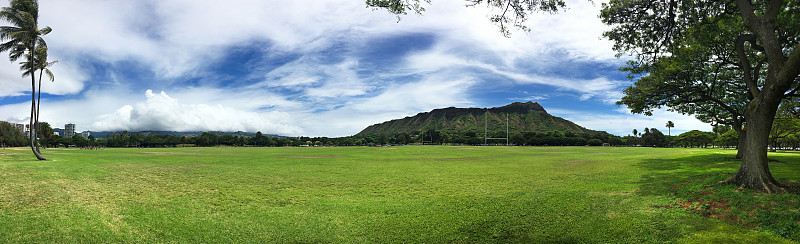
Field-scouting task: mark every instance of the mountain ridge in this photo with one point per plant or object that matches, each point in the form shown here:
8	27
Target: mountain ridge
522	117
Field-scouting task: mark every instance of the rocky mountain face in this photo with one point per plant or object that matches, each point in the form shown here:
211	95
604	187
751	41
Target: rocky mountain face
522	117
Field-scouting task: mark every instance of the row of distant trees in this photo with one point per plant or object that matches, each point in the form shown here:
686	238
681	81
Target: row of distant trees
207	139
784	135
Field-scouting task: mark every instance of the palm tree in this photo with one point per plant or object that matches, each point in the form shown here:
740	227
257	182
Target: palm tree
670	125
24	35
40	62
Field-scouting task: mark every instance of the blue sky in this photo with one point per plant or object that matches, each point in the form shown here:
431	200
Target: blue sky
314	67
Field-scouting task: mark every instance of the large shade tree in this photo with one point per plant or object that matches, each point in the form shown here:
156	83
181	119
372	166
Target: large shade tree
732	61
21	38
697	79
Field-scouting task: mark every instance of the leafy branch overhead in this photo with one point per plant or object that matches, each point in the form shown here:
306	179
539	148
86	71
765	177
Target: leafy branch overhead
505	12
726	62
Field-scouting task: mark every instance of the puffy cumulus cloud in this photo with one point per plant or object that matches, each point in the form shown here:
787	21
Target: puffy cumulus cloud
162	112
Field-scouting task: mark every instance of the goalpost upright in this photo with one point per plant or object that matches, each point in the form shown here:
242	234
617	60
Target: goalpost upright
486	129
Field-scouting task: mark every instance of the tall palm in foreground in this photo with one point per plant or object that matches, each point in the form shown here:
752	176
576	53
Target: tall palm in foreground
670	125
21	36
43	66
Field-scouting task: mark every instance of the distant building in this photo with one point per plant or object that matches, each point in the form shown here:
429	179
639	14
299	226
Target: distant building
55	133
86	134
69	130
23	128
59	131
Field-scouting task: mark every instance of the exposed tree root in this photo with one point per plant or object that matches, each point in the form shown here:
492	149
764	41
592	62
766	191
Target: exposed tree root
774	188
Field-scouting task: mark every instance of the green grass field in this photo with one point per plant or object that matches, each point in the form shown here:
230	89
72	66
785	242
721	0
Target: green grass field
398	194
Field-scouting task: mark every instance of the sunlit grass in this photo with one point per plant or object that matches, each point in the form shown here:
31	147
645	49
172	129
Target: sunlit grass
397	194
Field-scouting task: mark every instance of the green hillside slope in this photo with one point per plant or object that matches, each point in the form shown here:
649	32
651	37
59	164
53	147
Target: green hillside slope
522	117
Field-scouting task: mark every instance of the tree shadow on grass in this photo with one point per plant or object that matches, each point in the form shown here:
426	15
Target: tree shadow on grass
663	175
691	181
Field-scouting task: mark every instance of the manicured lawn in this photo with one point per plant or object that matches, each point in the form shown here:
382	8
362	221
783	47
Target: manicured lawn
397	194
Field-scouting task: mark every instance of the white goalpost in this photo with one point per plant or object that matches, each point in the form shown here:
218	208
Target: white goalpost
486	137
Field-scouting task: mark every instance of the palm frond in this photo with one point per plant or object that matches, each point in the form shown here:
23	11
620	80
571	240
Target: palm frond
49	75
46	30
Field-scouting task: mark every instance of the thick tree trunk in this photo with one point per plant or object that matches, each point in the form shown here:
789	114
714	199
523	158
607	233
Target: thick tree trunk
754	171
742	134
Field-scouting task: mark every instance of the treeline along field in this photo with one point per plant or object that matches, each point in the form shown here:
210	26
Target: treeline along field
390	194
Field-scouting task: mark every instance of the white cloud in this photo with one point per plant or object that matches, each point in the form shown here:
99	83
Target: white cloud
342	81
529	98
181	40
68	80
429	93
438	60
161	112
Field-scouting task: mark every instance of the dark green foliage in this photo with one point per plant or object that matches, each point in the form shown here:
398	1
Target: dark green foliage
653	137
781	223
695	138
79	141
12	137
595	142
616	141
728	139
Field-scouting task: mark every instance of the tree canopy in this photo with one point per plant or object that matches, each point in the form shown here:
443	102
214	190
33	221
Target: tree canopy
727	62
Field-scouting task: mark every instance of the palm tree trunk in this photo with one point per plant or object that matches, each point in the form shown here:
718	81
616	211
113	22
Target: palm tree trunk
34	148
33	115
38	105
